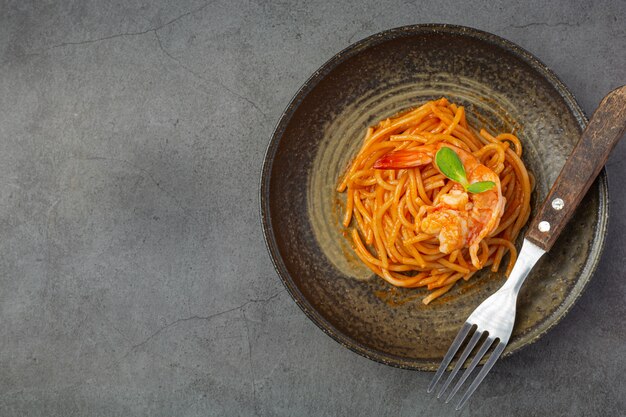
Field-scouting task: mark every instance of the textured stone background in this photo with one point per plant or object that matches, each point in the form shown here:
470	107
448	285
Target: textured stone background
133	276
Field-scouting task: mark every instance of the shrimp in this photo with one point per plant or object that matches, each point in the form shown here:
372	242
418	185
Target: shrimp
460	219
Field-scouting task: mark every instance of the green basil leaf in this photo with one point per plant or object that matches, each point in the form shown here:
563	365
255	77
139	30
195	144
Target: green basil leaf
450	165
479	187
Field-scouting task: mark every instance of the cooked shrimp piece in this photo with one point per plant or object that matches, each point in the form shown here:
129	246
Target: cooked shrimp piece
461	219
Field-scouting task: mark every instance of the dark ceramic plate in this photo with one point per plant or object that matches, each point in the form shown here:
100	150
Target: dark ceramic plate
503	87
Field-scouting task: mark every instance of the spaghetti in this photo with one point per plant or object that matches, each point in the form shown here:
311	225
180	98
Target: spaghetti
413	226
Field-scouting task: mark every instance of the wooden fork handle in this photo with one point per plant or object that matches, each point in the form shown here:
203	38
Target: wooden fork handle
606	127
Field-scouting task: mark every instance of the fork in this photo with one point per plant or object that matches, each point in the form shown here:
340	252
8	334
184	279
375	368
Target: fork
494	318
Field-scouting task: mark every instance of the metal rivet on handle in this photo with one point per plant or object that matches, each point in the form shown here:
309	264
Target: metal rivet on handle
544	226
557	204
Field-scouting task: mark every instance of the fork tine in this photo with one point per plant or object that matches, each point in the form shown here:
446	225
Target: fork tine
483	372
461	361
460	337
479	355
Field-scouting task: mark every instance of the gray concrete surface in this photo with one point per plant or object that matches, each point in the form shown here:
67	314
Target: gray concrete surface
133	276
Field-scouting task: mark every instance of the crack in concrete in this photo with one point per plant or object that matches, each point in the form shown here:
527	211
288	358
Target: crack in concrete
552	25
88	41
253	378
120	35
155	31
74	386
203	318
363	26
244	98
149	175
204	79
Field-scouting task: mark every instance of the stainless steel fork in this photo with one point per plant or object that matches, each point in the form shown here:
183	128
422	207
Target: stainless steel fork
494	318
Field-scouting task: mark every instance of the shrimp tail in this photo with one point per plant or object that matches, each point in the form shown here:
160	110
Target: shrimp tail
402	159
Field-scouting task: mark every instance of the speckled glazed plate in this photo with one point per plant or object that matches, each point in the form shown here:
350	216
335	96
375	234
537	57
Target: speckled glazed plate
504	88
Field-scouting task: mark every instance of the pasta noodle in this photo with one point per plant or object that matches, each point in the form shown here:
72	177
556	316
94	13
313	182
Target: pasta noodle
388	209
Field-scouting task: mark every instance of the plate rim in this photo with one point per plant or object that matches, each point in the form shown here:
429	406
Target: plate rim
598	243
